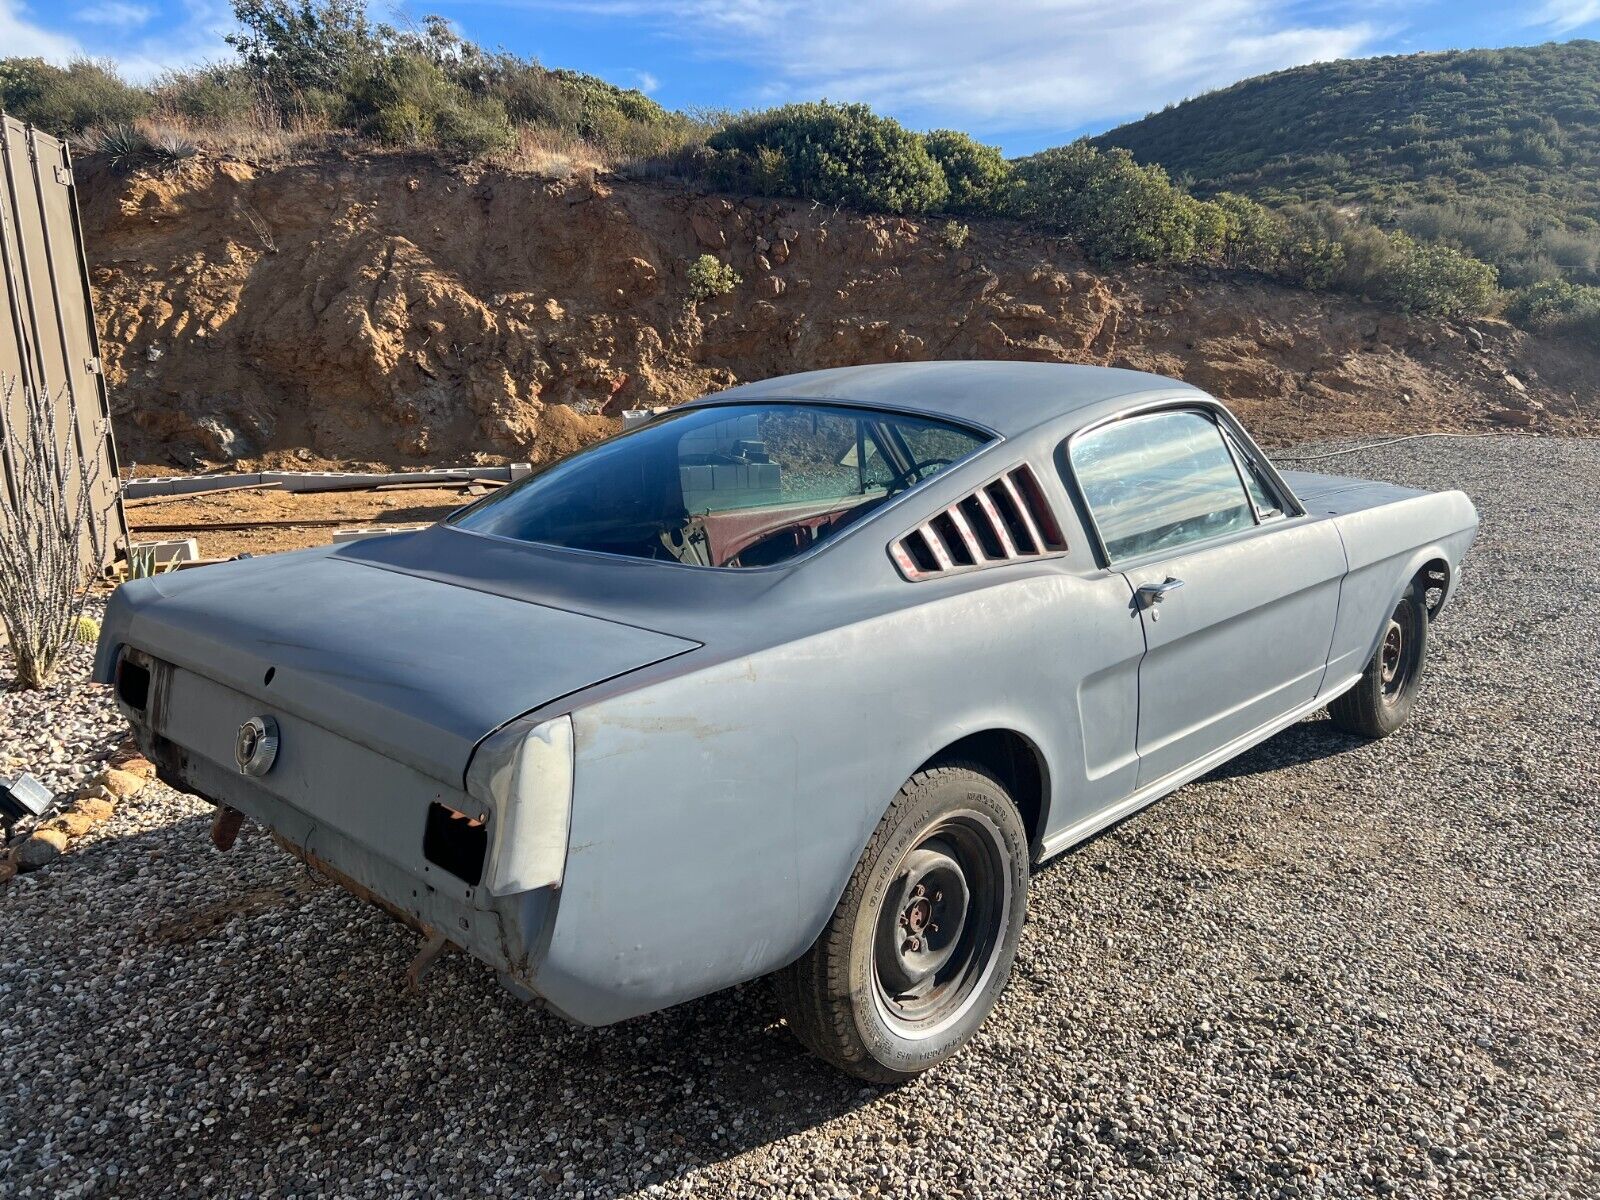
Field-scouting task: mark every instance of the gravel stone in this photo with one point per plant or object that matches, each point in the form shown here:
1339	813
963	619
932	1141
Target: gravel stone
1328	969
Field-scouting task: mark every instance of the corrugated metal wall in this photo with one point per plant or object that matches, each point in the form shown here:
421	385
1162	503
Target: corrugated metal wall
47	332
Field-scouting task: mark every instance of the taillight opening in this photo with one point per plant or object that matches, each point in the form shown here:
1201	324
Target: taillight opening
133	684
455	842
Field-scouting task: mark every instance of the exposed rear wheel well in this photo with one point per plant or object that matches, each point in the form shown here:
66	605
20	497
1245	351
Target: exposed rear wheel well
1014	761
1433	584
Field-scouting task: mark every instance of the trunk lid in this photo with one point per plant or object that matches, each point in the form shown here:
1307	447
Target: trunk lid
417	669
1338	494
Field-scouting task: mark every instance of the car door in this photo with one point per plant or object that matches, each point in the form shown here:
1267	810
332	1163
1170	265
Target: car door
1237	589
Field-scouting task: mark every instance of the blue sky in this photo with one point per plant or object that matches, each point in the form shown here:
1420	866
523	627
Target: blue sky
1019	73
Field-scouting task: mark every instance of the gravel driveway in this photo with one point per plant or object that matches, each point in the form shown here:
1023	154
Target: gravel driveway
1329	969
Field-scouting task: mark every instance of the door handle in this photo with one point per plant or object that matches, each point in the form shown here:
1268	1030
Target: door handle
1152	594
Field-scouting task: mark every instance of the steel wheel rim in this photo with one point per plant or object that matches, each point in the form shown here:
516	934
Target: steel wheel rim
935	949
1395	665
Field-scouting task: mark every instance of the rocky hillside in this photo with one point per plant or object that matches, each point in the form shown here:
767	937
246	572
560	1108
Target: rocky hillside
387	309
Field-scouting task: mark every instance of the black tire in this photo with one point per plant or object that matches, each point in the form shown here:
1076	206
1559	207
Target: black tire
888	989
1385	694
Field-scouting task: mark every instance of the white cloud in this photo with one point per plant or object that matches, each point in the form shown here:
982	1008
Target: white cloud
23	39
191	33
645	81
1563	16
193	38
118	14
998	64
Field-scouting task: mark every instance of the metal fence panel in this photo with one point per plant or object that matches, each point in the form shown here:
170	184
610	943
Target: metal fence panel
48	341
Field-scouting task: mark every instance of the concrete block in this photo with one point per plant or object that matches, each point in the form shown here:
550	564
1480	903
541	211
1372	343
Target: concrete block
182	550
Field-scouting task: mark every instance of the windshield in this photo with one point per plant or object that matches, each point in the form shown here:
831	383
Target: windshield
738	485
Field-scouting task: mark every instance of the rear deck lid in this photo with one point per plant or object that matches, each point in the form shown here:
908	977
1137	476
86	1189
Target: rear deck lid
418	669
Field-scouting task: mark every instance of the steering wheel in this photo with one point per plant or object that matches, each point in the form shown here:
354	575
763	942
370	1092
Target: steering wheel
913	473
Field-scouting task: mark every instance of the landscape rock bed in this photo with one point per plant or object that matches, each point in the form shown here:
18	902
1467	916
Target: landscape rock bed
71	738
1328	969
63	734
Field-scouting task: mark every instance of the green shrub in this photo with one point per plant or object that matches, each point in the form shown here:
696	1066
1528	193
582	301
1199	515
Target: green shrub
769	173
1114	208
836	153
708	277
954	235
312	45
977	175
219	94
67	100
405	100
1557	306
1312	256
1434	279
1252	235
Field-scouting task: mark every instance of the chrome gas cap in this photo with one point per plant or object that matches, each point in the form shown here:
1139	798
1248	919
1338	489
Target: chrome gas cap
256	747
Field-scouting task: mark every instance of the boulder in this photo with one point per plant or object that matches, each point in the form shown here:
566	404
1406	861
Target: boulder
42	849
136	764
94	808
74	823
121	784
708	231
1512	416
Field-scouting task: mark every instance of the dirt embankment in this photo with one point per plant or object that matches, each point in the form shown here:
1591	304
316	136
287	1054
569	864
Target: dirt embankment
391	310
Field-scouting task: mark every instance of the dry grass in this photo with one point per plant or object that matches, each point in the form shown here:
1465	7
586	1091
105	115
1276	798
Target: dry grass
552	154
261	137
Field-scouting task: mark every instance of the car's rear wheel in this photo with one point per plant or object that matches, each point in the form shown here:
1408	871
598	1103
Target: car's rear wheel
1386	693
921	944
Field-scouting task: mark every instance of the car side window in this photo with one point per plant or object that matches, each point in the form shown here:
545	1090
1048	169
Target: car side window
1159	481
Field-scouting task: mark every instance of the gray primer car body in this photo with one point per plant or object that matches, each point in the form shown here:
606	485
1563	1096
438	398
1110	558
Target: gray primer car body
738	734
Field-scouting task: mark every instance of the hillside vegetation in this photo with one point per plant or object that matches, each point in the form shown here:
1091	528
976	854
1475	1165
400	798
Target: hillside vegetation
1494	151
310	70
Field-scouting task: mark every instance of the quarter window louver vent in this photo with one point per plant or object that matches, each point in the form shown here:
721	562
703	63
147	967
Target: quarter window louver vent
1006	520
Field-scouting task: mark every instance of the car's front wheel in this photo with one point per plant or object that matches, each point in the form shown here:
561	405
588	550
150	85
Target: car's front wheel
1386	693
921	944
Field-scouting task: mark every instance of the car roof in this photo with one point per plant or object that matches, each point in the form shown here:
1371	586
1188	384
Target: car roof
1007	397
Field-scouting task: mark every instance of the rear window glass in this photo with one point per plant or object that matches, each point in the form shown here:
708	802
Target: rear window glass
725	486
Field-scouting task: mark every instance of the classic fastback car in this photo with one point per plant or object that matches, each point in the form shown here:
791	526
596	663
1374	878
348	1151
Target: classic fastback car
799	678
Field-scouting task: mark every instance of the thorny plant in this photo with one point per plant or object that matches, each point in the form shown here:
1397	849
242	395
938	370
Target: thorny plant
52	537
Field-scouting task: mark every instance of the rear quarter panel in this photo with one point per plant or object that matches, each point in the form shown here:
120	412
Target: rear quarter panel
717	816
